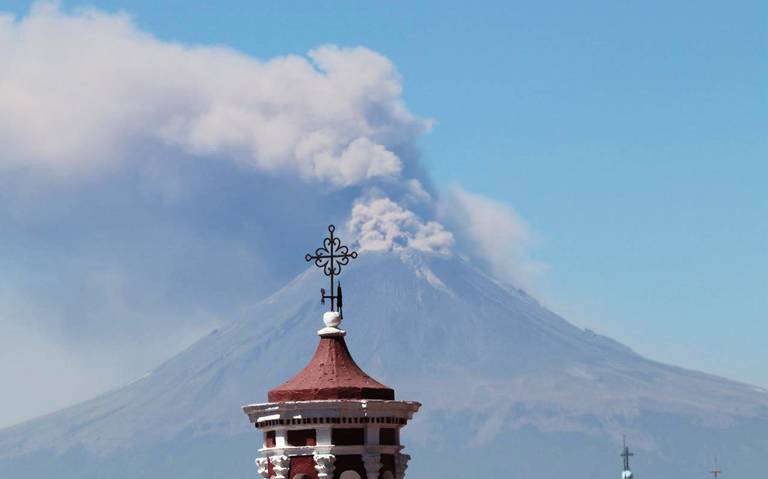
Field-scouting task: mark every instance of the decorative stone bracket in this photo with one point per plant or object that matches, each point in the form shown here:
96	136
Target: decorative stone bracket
401	464
372	463
263	464
324	465
280	466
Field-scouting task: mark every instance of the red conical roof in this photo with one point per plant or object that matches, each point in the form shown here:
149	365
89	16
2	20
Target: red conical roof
331	374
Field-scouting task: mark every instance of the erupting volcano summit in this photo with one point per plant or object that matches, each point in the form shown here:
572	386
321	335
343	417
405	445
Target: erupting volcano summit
332	420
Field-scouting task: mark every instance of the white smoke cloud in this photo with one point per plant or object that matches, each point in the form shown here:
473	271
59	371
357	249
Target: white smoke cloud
380	224
78	92
89	95
180	165
495	234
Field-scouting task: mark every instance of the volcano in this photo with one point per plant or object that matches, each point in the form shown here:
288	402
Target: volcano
507	386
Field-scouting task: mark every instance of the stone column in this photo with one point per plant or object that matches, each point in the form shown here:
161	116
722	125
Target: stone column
323	436
280	466
372	463
324	465
263	464
401	464
372	435
280	439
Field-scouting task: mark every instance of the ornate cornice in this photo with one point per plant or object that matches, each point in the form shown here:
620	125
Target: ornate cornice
328	449
296	411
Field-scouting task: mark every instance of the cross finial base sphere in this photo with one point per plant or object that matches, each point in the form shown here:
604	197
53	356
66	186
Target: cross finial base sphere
332	320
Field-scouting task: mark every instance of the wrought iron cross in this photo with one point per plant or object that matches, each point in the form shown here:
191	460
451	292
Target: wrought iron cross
626	455
331	257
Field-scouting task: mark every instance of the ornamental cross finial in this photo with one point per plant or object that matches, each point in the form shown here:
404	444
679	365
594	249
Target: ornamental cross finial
331	257
626	454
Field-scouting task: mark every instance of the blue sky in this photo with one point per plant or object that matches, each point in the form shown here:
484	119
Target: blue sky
629	136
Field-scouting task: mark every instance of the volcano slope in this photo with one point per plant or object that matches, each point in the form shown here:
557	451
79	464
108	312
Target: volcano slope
508	388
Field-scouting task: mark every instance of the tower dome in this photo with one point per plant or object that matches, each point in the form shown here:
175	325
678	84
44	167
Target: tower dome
331	420
331	374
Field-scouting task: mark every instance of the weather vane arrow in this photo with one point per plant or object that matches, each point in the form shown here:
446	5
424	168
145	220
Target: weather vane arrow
331	257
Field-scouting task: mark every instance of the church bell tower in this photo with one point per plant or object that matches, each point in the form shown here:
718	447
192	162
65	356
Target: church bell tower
331	420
